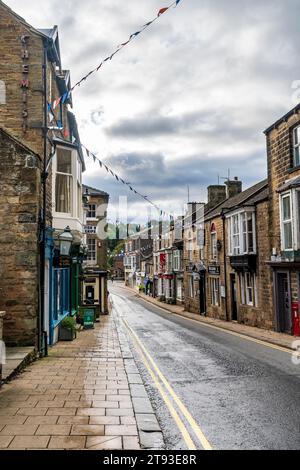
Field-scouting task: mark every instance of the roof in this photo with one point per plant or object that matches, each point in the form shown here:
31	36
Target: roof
292	183
95	191
250	196
18	142
283	119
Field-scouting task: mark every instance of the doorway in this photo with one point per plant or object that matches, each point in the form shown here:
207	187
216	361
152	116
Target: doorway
283	303
202	293
234	315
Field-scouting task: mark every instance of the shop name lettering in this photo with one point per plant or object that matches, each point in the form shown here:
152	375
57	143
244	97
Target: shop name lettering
128	461
25	81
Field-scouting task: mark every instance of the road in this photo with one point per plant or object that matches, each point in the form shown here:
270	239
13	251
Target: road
239	394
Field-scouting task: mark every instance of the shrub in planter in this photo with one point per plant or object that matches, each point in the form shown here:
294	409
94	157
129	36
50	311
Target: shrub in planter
67	329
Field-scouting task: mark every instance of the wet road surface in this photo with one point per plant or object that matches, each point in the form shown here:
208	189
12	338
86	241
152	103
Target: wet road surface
243	395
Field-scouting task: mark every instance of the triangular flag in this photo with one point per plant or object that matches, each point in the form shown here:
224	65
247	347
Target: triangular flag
94	158
162	10
124	43
65	97
99	66
148	24
135	34
177	1
106	168
87	152
100	163
117	178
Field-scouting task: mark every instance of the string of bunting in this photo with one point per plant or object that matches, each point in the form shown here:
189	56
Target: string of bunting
121	181
62	99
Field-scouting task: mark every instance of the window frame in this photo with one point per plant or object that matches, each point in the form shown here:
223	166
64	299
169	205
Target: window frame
296	146
287	221
215	291
238	240
92	211
89	257
68	175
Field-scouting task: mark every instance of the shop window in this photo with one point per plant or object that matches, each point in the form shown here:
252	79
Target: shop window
61	294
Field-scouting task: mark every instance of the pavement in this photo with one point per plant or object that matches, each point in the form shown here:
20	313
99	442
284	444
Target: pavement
88	394
279	339
210	387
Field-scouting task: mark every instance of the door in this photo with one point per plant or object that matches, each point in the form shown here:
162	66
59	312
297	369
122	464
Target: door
202	294
283	303
234	315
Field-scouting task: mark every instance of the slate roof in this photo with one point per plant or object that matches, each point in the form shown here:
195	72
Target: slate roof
250	196
94	191
283	119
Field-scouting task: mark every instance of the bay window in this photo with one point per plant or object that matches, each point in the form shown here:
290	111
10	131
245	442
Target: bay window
296	145
64	182
241	233
286	222
177	260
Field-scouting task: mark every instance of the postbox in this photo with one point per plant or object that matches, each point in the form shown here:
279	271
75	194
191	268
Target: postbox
295	319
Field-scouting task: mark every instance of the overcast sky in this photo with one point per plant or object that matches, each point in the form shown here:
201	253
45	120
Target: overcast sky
186	100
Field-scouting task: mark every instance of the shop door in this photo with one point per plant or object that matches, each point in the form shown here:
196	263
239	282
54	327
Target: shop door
284	314
202	294
234	315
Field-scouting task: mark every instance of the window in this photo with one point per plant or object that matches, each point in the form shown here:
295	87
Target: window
215	290
92	211
214	251
287	229
247	224
191	287
248	289
91	249
61	293
296	145
177	260
236	235
241	233
63	183
90	229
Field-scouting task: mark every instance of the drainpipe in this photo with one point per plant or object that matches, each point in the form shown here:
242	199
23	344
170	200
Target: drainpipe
225	267
42	334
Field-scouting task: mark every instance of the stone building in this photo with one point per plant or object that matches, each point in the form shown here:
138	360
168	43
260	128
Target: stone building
283	150
20	170
138	249
235	259
32	79
95	267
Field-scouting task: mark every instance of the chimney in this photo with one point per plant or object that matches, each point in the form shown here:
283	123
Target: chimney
215	195
233	187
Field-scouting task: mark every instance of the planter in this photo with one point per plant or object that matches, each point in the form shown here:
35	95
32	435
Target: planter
65	334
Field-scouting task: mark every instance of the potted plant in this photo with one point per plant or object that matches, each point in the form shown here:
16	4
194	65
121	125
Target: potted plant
67	329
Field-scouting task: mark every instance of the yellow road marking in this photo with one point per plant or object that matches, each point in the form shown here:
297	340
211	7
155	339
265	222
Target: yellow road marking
233	333
201	437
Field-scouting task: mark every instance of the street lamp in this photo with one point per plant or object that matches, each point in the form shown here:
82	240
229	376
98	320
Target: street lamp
65	242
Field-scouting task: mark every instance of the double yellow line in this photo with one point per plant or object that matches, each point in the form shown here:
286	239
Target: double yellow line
159	380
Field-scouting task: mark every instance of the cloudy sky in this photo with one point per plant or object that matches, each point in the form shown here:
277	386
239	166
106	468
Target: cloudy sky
188	99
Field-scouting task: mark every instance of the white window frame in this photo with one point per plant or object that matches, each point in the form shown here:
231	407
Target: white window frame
236	221
213	247
246	287
71	176
215	291
287	221
93	252
92	210
296	146
191	287
177	260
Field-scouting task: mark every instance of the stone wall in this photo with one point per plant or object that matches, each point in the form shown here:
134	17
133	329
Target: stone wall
19	260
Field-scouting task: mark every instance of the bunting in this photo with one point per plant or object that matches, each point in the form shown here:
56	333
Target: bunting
67	95
120	180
